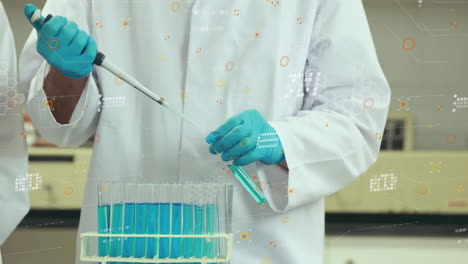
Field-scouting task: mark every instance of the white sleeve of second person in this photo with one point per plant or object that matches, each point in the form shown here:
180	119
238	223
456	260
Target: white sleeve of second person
14	202
335	137
34	69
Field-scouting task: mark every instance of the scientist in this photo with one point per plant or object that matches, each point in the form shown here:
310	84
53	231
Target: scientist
14	197
308	69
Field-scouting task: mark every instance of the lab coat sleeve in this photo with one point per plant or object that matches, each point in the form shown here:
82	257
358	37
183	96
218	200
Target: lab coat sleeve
336	136
14	203
34	69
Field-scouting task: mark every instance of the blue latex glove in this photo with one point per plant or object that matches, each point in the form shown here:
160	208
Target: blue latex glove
63	45
246	138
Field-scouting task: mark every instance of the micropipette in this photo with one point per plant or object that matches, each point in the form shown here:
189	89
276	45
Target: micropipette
101	60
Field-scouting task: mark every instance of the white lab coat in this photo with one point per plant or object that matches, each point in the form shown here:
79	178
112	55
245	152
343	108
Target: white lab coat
212	60
14	203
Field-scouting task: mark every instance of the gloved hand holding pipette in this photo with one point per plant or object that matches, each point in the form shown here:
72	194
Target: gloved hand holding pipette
73	52
246	138
64	46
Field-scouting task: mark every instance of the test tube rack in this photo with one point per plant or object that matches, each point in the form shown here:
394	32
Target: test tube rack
86	240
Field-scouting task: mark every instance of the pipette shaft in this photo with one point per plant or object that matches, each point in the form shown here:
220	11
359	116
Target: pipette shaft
101	60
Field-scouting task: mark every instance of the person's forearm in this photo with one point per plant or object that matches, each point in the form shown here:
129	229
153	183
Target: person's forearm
284	165
66	91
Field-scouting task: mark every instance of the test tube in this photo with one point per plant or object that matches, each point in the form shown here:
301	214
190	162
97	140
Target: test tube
103	221
199	218
164	221
117	198
211	223
141	219
131	192
176	218
224	200
153	223
187	221
248	183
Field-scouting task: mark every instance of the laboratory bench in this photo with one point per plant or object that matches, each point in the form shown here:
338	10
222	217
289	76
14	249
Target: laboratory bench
350	238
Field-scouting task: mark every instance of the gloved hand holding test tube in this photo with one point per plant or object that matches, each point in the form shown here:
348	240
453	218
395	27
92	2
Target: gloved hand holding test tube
37	20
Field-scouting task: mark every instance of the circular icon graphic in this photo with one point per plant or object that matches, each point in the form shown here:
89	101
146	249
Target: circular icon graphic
284	61
3	99
53	43
12	83
285	219
263	185
11	93
451	139
175	6
69	190
408	44
423	190
118	79
275	3
11	103
244	142
460	189
3	109
230	66
454	24
20	98
368	103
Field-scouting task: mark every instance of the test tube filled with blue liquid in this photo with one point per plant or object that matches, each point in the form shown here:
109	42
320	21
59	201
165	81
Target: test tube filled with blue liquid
141	219
164	221
131	193
199	221
187	244
103	221
153	223
224	211
176	219
211	222
116	220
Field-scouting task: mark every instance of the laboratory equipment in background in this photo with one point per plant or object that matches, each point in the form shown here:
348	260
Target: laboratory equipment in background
161	223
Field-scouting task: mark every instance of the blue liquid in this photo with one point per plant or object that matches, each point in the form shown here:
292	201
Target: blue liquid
153	221
116	228
199	223
209	246
164	229
141	228
129	228
176	229
187	229
248	183
103	213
